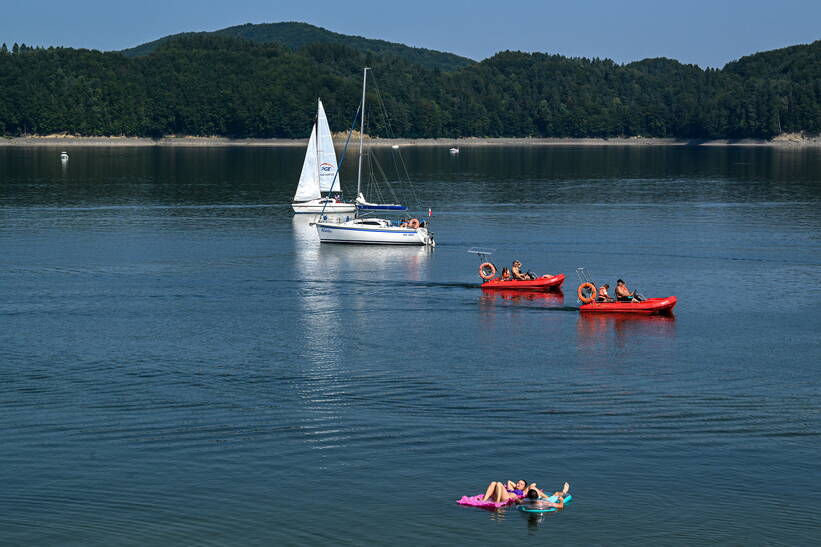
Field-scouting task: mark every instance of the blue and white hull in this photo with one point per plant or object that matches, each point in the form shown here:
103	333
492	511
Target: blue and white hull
372	231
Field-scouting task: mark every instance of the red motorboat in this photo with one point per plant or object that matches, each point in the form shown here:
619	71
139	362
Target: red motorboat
544	283
648	307
487	271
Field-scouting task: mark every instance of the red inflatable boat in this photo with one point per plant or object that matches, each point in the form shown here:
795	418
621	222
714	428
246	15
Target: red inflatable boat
647	307
544	283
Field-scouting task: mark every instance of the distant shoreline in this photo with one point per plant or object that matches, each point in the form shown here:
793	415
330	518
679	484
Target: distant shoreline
791	141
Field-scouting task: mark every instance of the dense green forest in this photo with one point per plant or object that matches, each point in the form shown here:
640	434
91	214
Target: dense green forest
208	84
298	35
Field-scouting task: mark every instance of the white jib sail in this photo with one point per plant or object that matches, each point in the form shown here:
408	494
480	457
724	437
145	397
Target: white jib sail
326	154
308	187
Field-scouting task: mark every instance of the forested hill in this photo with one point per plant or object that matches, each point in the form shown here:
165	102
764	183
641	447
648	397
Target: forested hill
206	84
298	35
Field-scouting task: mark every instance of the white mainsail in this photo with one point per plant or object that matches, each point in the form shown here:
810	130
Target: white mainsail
325	153
308	187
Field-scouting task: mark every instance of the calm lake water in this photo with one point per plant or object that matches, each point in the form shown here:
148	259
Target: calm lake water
182	363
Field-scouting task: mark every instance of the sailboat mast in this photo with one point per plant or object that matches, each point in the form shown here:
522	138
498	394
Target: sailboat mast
318	140
361	132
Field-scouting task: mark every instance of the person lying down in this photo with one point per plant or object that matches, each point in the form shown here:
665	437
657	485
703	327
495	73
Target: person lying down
539	500
510	492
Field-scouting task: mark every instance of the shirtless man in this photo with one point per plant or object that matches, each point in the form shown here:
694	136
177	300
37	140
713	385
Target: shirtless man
538	498
623	294
516	272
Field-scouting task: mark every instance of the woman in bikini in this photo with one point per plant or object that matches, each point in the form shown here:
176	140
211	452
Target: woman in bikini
500	493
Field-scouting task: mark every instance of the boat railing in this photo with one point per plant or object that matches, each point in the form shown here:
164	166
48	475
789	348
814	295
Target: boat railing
482	252
325	219
584	277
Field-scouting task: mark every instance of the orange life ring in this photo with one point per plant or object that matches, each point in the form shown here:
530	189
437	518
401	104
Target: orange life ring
487	270
413	223
592	288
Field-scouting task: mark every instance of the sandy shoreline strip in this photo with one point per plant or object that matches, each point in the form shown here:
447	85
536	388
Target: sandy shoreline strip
791	141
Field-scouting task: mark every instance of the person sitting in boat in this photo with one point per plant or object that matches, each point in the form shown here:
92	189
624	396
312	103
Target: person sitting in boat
602	295
516	272
623	294
505	274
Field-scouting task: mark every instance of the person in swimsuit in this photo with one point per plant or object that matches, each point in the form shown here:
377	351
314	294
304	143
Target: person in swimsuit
516	272
538	499
500	493
602	294
519	488
623	294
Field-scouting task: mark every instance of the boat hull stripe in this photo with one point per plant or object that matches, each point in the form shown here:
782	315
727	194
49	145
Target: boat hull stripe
364	229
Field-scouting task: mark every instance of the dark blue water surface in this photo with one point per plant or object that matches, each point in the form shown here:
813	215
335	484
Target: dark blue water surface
181	362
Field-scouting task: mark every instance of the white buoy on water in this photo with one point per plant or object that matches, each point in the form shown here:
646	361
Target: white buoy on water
63	156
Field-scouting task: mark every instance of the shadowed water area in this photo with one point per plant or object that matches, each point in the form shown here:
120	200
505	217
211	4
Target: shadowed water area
181	362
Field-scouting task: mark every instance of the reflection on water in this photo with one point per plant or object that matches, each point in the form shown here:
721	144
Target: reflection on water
167	317
334	280
511	297
331	261
623	328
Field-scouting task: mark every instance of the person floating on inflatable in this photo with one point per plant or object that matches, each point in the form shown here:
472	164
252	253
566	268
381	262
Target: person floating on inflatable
502	493
539	500
499	495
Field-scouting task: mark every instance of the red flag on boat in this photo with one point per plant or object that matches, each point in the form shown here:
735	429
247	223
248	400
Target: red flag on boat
430	213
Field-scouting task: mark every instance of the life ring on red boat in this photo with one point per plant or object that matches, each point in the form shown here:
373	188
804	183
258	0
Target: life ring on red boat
487	270
413	223
581	296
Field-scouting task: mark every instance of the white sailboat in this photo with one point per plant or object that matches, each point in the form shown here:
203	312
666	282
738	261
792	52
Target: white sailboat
319	173
375	231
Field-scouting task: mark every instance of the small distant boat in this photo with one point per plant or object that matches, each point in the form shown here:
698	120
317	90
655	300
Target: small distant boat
395	147
63	156
454	150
